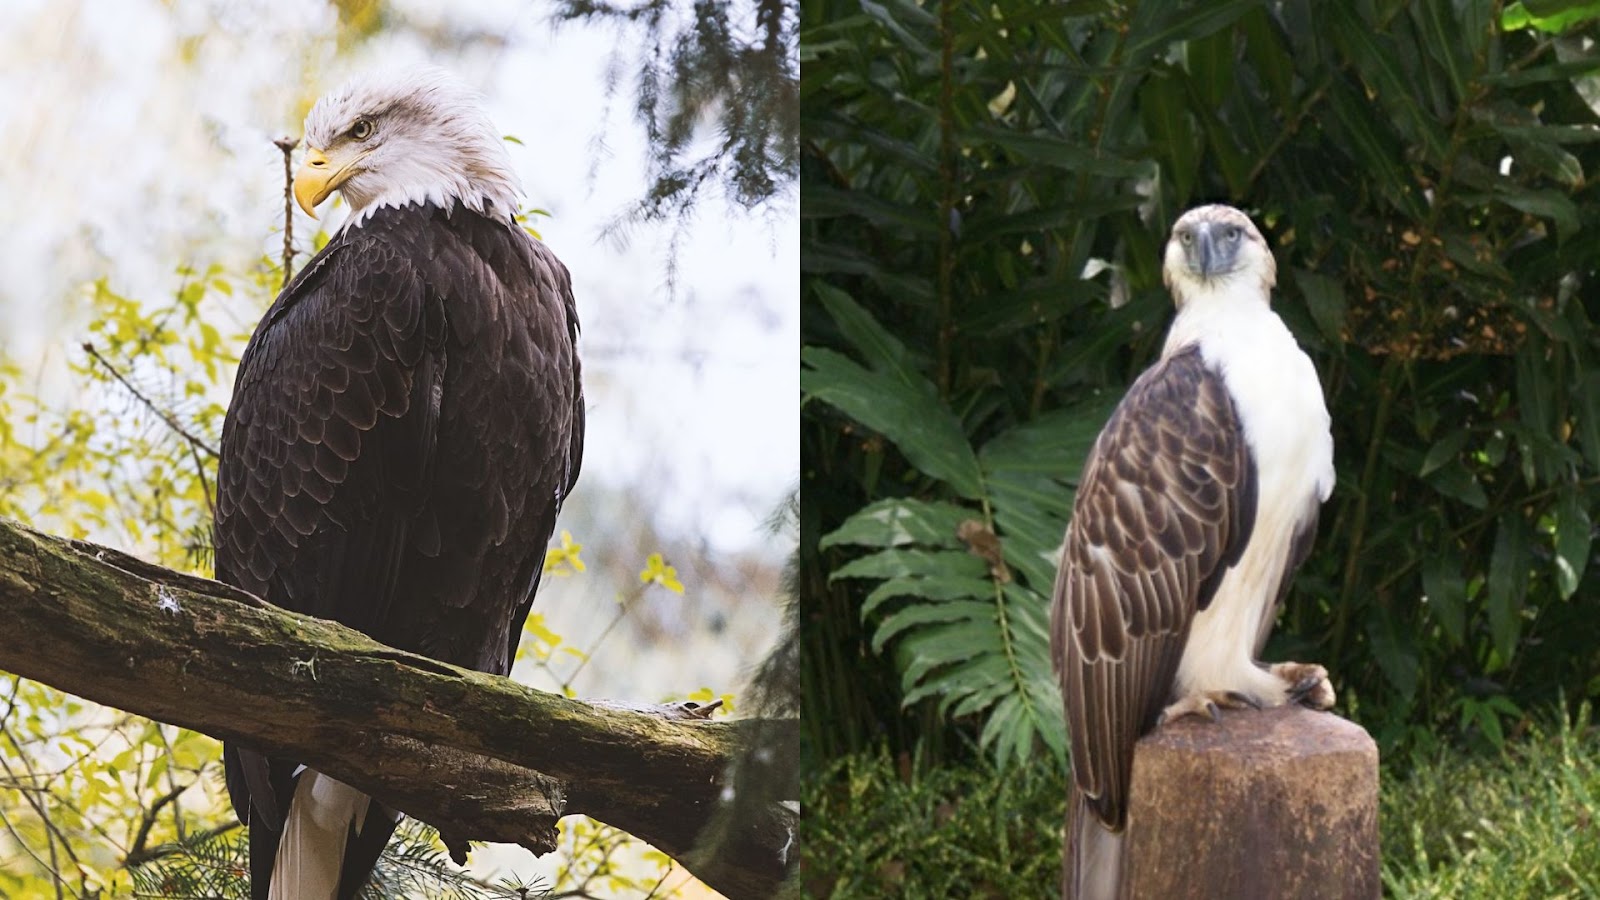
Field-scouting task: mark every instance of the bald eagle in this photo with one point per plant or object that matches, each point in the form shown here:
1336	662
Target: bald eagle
1197	503
406	422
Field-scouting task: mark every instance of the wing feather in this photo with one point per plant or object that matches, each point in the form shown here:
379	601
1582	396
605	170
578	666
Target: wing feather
329	425
1165	506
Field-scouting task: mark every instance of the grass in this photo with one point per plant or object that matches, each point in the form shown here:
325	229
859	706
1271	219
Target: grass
1524	823
880	827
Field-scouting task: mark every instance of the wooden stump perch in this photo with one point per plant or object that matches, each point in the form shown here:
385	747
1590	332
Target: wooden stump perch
1281	803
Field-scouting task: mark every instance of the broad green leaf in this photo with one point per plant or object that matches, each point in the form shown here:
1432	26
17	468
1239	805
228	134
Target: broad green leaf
909	415
898	18
921	614
911	561
1446	449
1395	653
1438	27
896	521
823	202
1213	66
1535	388
1186	23
1587	398
1508	584
1325	300
1373	148
1163	106
1062	152
1573	532
881	350
1446	590
1548	204
1379	61
1225	150
1552	16
1455	481
1267	55
904	153
927	587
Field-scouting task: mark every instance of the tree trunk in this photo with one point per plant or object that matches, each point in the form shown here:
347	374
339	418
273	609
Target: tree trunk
478	756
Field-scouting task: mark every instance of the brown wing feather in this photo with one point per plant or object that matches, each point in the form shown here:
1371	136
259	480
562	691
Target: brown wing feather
1165	505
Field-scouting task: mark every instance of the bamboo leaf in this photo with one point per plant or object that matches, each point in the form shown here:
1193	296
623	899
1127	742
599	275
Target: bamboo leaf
1325	301
1446	449
1165	114
1446	590
1060	152
1545	203
1395	653
1508	584
1573	533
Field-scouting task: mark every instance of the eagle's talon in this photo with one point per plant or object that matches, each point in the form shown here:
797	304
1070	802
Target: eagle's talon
1302	688
1308	684
1242	700
1206	703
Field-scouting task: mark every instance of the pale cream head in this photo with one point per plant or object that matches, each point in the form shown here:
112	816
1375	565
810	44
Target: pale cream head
1216	248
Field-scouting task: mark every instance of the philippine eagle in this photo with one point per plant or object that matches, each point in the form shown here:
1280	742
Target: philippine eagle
406	422
1197	503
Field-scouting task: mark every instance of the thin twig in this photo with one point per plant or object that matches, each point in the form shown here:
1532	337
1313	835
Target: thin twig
170	848
147	821
11	701
52	833
26	848
287	145
171	420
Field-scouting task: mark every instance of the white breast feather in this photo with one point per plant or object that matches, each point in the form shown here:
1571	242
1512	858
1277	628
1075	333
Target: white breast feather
1280	404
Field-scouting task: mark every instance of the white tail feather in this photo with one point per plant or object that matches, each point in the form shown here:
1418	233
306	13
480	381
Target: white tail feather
311	851
1093	856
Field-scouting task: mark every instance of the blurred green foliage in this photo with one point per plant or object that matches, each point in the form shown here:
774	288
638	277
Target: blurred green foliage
986	188
882	826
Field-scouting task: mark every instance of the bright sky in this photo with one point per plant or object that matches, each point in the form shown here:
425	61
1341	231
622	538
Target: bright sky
121	159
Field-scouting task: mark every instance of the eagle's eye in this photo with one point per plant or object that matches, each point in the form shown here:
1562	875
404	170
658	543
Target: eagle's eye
1234	233
1187	237
362	129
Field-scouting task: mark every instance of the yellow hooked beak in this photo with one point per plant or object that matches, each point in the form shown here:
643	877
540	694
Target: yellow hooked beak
318	177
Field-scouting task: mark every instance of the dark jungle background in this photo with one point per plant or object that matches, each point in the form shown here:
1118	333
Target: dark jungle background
985	191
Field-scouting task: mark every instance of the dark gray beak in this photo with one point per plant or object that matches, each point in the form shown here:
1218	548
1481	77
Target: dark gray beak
1204	258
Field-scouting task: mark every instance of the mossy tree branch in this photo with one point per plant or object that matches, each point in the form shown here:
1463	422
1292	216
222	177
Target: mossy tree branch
478	756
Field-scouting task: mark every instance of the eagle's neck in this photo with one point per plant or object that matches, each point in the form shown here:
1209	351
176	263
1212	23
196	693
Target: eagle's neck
475	177
1273	384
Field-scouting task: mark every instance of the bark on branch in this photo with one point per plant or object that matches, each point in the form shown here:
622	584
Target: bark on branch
477	756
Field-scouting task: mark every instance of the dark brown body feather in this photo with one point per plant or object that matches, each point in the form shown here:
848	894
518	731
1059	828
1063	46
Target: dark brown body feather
406	422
